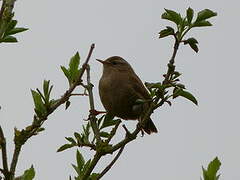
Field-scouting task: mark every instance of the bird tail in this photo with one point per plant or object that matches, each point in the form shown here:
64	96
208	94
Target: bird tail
149	127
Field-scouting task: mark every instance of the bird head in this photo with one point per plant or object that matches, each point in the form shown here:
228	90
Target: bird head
115	63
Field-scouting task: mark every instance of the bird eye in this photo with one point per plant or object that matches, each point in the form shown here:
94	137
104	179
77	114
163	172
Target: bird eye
114	63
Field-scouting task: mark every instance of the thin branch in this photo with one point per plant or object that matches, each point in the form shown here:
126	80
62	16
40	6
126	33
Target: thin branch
4	152
113	132
171	66
95	160
79	94
111	164
126	140
92	117
16	153
91	146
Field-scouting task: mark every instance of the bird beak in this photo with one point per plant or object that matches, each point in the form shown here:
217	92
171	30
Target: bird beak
101	61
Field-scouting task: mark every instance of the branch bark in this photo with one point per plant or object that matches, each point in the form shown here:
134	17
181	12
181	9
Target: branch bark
92	117
4	153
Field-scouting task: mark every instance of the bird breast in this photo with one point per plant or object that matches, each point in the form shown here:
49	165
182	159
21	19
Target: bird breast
117	95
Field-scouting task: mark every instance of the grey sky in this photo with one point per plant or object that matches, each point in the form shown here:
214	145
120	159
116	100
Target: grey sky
188	137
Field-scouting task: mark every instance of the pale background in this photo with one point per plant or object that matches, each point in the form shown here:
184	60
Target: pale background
189	136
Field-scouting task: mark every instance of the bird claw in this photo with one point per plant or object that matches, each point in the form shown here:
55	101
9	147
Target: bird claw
140	126
95	112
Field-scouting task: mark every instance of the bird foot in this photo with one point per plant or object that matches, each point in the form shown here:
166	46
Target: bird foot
140	126
95	112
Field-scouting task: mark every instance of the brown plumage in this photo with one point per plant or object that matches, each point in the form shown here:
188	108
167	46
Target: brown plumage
119	88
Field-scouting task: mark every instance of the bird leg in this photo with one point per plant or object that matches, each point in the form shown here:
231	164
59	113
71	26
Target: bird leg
95	112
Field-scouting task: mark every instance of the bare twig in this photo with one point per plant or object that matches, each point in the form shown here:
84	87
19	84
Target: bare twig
92	117
111	164
171	66
79	94
113	132
4	152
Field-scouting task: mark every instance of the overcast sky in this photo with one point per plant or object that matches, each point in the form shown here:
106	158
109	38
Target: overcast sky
189	136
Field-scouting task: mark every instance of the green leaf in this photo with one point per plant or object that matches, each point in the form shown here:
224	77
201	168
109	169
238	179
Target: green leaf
172	16
190	14
64	147
17	132
77	135
28	174
66	73
211	172
71	140
86	166
39	105
86	133
46	90
205	175
73	67
194	47
80	160
16	30
182	86
176	74
213	168
68	103
201	24
104	134
76	169
40	129
100	120
9	39
185	94
11	25
192	43
166	32
94	176
108	121
205	14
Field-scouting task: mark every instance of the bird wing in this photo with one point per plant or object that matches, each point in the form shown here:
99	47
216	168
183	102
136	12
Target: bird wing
138	86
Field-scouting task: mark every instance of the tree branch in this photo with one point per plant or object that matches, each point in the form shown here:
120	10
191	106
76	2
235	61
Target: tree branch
111	164
92	117
113	132
95	160
4	152
16	153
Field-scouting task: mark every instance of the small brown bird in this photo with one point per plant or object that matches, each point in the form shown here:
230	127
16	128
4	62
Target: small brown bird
119	89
